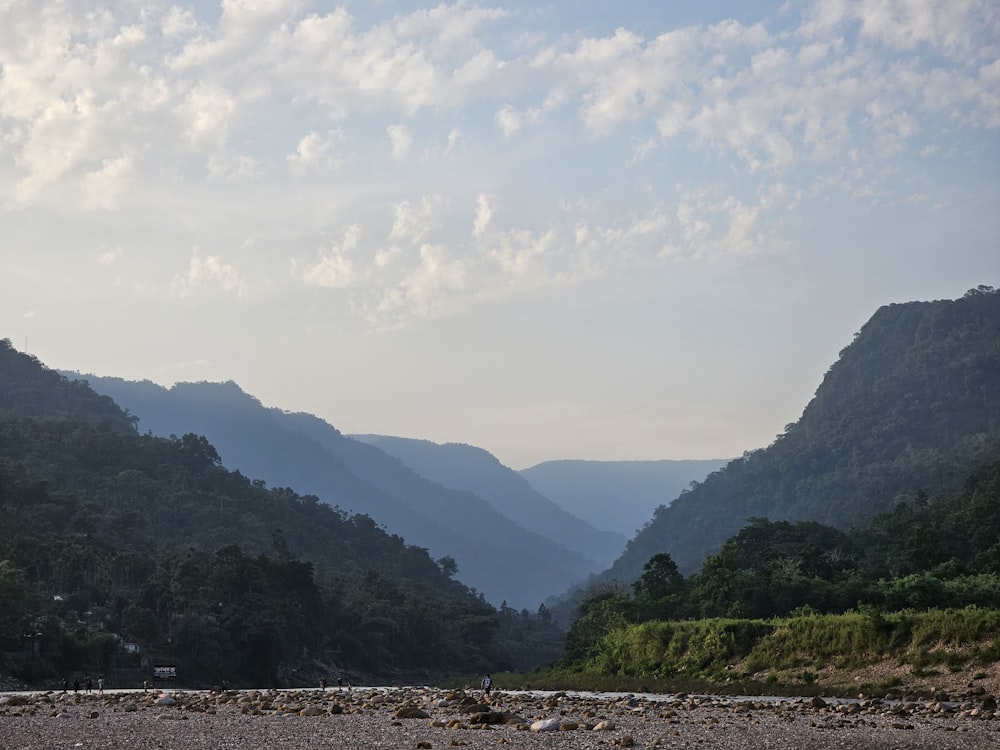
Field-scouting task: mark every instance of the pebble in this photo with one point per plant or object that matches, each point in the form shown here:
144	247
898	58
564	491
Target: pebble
425	717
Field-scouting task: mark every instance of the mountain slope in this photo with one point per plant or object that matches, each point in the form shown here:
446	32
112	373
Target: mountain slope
465	467
619	495
912	405
110	536
494	555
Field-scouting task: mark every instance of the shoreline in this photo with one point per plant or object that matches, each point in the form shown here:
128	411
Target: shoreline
425	717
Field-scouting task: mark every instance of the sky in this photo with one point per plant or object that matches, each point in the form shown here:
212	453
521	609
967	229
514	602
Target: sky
593	230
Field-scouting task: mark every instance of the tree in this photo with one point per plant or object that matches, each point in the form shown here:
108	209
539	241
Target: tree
15	607
448	565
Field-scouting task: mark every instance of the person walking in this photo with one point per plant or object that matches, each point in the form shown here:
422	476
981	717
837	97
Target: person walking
487	685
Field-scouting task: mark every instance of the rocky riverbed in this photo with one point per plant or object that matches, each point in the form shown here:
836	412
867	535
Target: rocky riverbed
399	718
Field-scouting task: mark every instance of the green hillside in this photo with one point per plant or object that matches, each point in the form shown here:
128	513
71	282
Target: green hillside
912	406
110	537
917	590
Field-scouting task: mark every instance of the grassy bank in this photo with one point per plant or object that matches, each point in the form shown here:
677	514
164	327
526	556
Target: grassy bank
832	654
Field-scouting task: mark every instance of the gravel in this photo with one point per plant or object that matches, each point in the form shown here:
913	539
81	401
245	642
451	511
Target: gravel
365	719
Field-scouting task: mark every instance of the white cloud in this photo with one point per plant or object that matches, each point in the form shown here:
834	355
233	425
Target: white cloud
509	120
177	22
401	140
233	167
484	212
642	149
131	103
316	153
434	287
521	256
208	271
107	257
334	268
205	114
103	189
414	222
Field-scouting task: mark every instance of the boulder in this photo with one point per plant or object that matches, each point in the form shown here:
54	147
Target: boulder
411	712
545	725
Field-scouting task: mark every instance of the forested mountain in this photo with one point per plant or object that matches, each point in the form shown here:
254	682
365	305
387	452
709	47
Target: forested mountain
934	553
109	536
465	467
495	555
618	495
911	406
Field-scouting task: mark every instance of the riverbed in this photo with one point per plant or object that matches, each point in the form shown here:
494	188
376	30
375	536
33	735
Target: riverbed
426	717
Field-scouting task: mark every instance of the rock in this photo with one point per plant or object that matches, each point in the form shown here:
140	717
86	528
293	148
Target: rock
411	712
165	700
488	717
312	711
545	725
604	726
817	702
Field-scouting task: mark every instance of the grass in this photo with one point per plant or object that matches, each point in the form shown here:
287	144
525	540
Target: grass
787	656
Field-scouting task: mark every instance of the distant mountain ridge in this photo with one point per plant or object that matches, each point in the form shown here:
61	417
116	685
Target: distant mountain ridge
911	406
109	536
618	495
466	467
496	556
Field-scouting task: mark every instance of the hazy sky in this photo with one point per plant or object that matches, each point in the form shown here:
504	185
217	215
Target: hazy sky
605	230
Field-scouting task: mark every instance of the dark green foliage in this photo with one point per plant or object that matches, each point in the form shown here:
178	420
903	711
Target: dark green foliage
912	405
661	591
939	553
524	640
721	650
110	537
771	568
599	615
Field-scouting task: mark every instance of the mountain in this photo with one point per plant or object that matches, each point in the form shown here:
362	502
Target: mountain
911	407
465	467
496	556
618	495
111	537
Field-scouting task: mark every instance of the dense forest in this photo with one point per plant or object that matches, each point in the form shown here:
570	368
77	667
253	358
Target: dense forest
119	550
928	553
912	405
